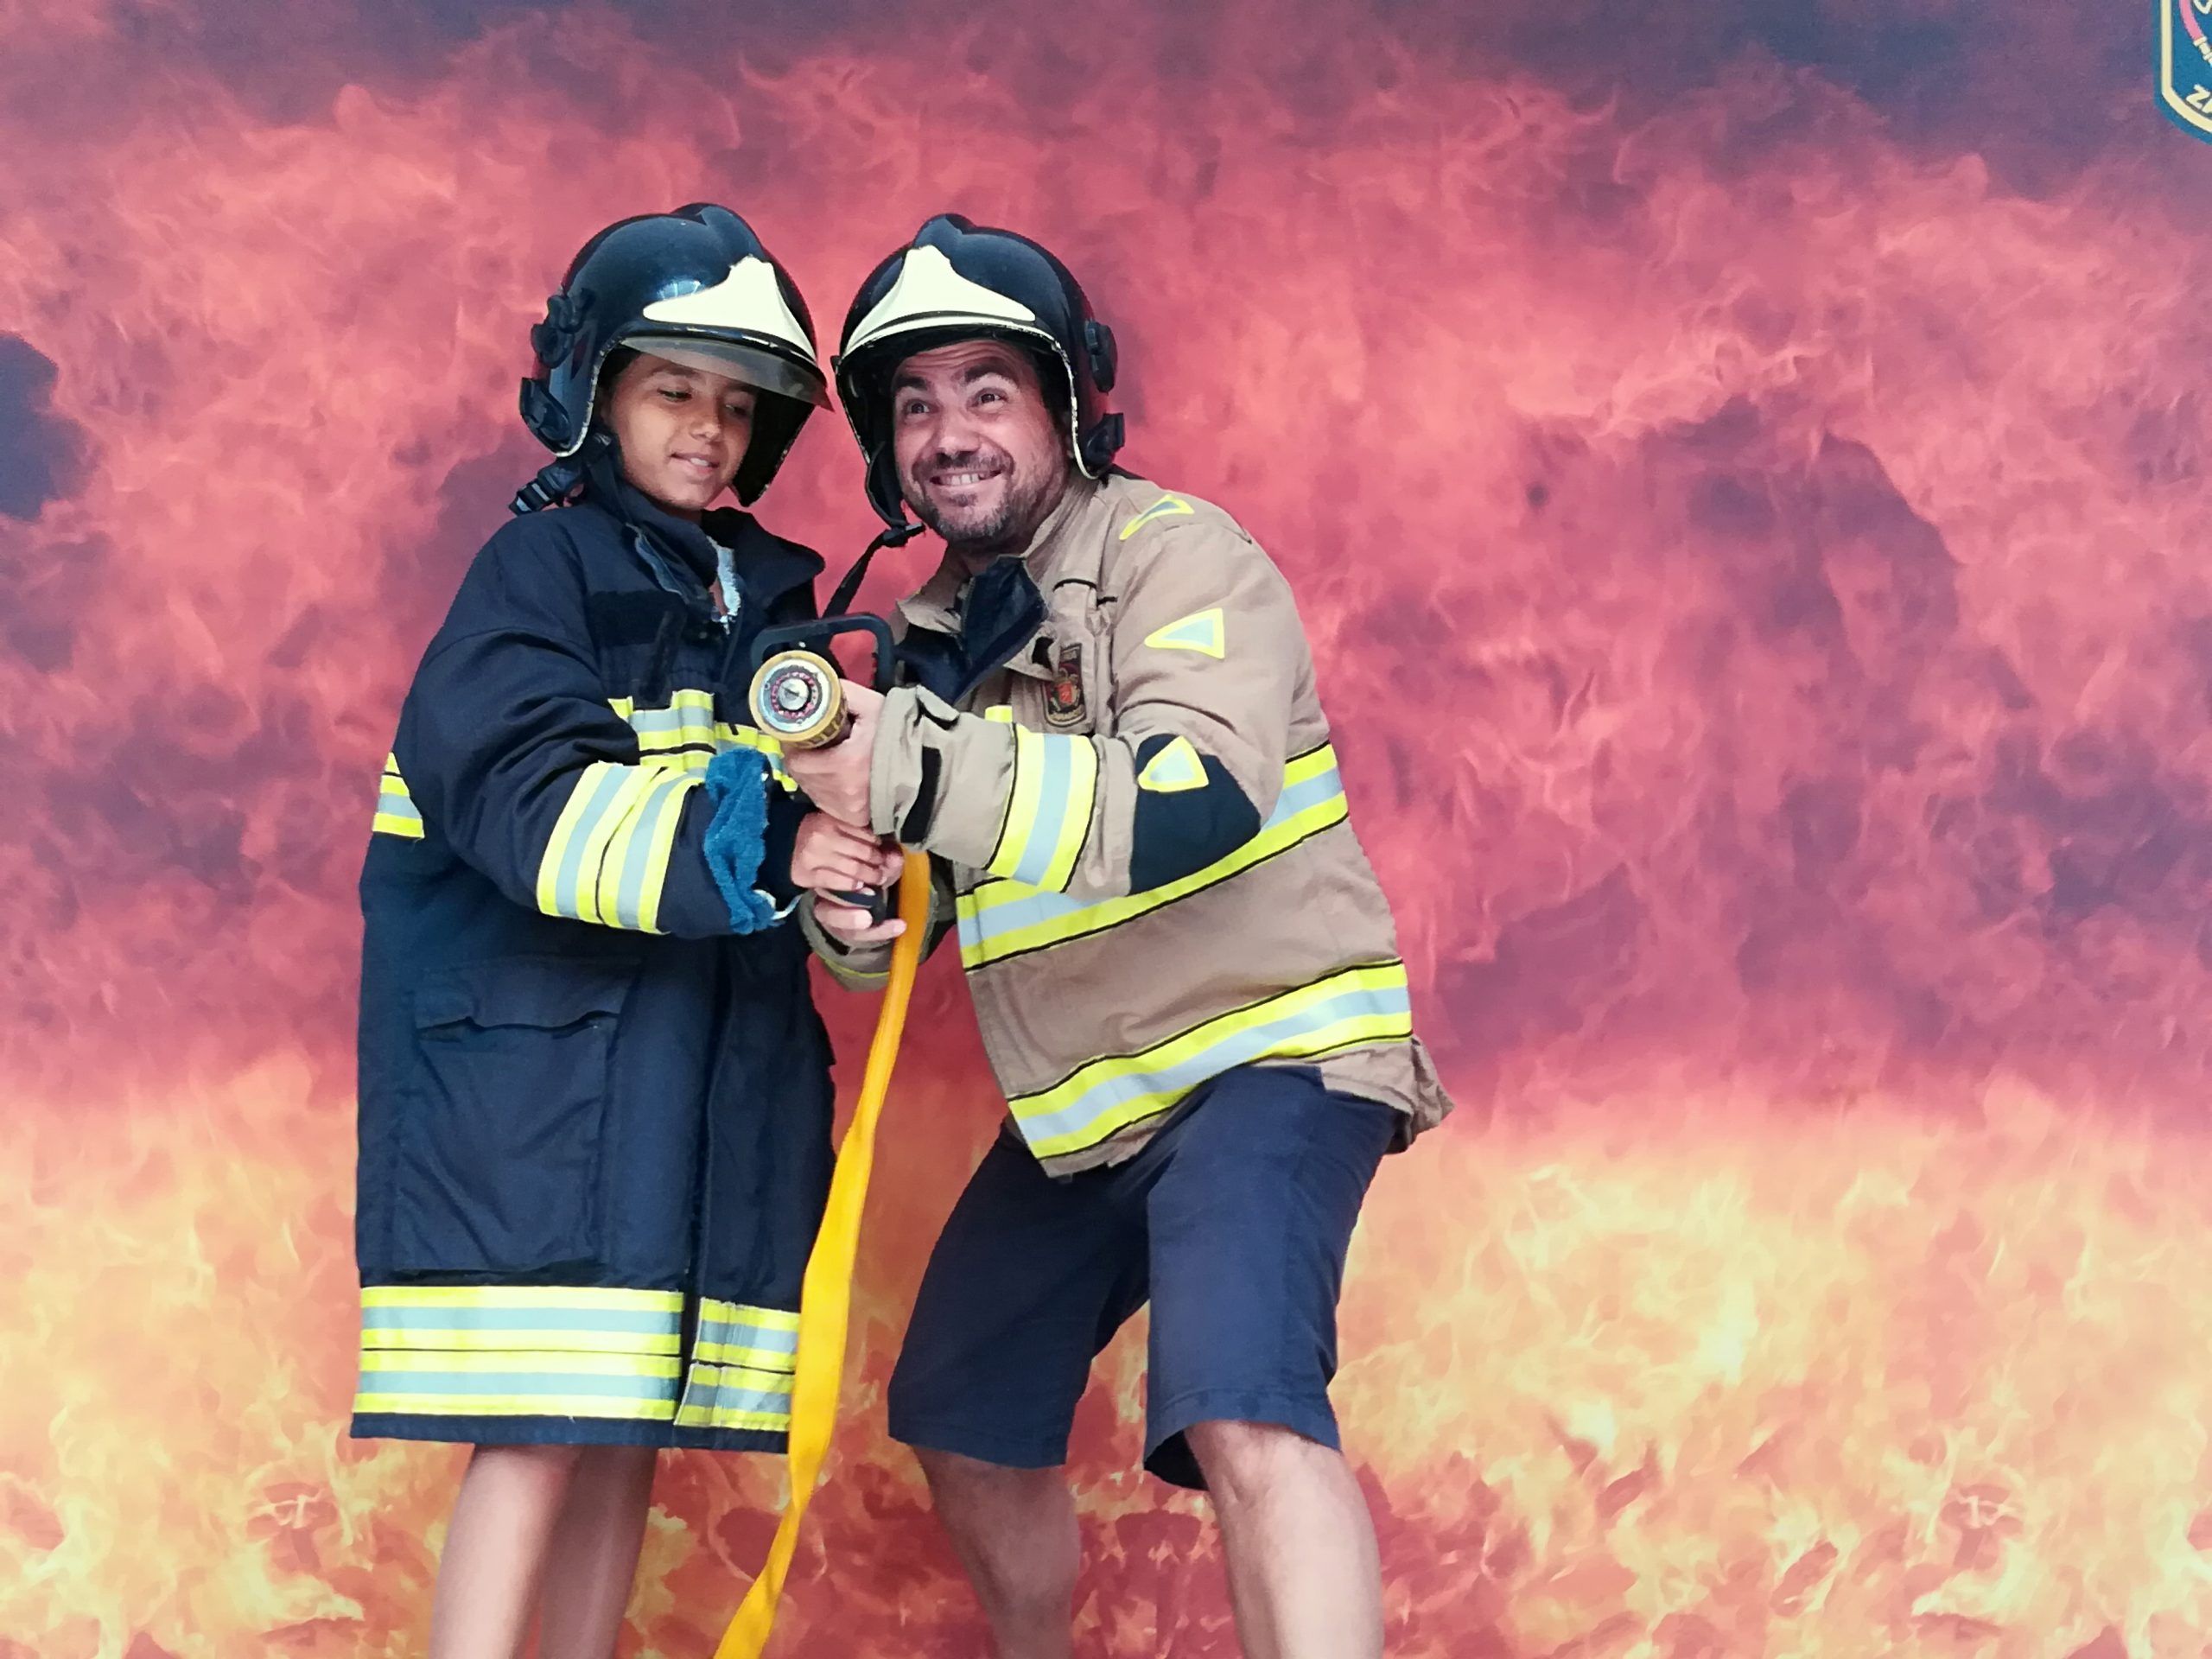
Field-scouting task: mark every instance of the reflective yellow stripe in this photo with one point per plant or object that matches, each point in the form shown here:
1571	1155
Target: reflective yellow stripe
732	1333
747	1354
769	1319
741	1367
1177	767
552	880
606	892
764	743
521	1339
1168	506
742	1359
1204	632
662	848
397	813
1005	918
1048	811
735	1398
514	1405
686	721
582	892
635	868
531	1350
511	1362
523	1296
768	1406
530	1318
684	733
1354	1006
1021	809
606	860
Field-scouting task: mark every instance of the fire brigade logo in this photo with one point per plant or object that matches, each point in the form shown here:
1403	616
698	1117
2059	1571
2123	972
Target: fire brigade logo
2185	49
1063	703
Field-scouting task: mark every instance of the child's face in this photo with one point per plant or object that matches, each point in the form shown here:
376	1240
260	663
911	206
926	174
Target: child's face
682	431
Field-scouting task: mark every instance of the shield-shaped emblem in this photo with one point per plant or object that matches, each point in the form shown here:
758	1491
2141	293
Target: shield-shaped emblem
2183	41
1063	702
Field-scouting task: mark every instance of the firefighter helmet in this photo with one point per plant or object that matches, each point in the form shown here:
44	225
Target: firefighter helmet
697	287
961	281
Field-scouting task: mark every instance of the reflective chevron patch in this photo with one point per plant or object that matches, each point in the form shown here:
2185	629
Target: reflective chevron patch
1202	632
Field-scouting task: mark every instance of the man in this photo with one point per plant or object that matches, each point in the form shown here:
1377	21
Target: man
1187	976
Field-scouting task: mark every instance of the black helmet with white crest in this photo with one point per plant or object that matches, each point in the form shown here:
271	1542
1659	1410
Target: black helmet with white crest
958	280
694	287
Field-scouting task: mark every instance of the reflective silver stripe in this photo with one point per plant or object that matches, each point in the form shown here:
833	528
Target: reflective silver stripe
665	795
1367	1004
566	893
981	925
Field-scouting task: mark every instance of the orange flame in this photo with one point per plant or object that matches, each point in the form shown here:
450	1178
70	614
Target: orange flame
1742	501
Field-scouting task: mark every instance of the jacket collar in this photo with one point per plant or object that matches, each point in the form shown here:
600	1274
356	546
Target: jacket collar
1065	547
769	566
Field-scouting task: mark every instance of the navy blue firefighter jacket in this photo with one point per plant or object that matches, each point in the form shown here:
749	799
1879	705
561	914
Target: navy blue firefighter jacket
594	1093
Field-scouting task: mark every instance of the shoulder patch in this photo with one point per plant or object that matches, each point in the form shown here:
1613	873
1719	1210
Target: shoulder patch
1202	632
1174	769
1168	506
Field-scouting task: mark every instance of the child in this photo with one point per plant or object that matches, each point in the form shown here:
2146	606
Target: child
594	1094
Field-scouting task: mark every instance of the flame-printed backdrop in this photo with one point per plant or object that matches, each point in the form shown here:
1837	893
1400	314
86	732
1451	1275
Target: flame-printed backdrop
1742	467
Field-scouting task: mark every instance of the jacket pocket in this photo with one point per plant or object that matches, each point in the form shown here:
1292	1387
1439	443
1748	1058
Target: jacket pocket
499	1162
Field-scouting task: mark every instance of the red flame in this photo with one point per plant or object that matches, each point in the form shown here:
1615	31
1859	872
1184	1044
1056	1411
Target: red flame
1741	488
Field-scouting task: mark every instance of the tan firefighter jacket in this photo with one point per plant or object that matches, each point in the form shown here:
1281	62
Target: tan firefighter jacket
1140	828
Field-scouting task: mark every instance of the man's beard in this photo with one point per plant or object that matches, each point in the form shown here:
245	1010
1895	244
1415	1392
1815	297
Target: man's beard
1019	512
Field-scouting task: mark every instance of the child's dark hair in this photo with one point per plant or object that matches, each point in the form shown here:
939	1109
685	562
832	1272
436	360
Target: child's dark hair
610	371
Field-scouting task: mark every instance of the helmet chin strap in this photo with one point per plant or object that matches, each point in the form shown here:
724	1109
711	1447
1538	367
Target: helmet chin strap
558	481
897	536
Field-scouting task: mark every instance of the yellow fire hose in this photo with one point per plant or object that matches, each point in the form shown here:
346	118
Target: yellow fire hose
826	1293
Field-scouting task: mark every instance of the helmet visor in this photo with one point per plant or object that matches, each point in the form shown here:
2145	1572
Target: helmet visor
762	370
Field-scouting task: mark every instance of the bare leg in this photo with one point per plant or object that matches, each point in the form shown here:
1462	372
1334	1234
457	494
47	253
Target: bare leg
1014	1531
592	1556
1303	1572
510	1498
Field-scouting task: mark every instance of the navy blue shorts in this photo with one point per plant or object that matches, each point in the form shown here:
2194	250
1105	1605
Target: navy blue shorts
1233	1222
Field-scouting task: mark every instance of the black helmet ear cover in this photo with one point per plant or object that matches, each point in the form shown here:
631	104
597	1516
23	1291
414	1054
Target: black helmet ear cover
540	411
883	477
1100	443
1105	357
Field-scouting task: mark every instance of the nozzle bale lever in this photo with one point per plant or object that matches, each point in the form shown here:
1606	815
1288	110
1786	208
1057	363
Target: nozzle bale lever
798	697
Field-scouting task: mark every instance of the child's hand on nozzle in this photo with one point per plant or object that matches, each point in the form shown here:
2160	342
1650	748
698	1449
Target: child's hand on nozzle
831	857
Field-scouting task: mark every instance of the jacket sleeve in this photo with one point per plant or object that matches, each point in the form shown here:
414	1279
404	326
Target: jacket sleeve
517	761
1205	656
865	966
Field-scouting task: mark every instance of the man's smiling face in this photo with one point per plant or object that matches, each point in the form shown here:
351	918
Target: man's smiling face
981	456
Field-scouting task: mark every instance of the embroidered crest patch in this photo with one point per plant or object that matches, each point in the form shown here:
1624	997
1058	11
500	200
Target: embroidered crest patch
1064	704
2184	47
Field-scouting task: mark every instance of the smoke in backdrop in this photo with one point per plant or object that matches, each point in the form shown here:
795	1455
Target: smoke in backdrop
1743	470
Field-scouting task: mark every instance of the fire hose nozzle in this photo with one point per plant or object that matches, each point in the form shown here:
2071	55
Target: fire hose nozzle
798	697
